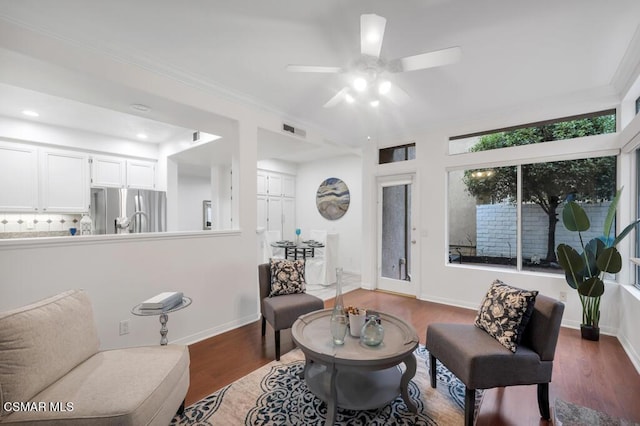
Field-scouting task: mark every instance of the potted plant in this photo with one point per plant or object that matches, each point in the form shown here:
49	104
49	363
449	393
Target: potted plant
585	271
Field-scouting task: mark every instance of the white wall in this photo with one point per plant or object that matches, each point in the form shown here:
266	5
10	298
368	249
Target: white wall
119	272
465	285
349	227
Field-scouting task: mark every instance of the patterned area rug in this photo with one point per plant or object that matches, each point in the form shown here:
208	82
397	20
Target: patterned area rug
276	395
569	414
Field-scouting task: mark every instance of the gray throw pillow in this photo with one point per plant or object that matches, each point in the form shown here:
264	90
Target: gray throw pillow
287	277
505	312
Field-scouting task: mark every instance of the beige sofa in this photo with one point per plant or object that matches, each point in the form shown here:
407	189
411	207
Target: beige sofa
53	373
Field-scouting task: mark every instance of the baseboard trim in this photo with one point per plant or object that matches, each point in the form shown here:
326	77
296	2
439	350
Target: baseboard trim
210	332
630	351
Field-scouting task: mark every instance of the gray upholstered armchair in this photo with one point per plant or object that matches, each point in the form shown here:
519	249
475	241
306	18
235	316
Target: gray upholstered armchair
480	362
282	311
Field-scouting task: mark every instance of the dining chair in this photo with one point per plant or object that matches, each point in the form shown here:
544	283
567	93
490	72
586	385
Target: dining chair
272	237
316	266
282	311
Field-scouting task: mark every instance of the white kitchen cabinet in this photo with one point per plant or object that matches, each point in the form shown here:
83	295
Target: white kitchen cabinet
18	177
263	212
288	186
289	218
141	174
262	188
108	172
64	181
118	172
274	214
276	203
274	185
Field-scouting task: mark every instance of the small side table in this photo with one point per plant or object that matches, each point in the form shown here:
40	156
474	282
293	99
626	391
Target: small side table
164	316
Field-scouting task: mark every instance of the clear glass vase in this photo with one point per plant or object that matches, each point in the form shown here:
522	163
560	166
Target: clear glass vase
372	332
339	320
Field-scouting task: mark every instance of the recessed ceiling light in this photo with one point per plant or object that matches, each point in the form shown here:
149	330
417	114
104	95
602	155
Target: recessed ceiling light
349	98
141	136
374	103
360	84
384	87
30	113
140	107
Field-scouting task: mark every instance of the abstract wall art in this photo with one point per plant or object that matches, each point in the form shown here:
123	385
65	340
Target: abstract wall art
332	198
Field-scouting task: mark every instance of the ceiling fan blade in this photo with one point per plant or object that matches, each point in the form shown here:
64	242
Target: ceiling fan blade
337	98
397	95
371	34
427	60
313	68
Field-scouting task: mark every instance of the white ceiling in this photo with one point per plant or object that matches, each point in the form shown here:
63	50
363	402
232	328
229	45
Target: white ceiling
514	52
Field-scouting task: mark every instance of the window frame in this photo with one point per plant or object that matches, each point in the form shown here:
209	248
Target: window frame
518	203
536	124
405	147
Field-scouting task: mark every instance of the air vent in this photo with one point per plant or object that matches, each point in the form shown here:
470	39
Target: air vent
289	128
196	136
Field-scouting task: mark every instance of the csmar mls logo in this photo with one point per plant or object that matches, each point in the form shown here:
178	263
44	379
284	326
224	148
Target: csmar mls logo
37	406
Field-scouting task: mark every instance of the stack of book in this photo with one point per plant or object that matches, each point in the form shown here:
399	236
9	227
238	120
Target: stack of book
162	302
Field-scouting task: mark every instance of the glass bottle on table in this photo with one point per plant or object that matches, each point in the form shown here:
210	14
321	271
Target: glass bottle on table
372	331
339	318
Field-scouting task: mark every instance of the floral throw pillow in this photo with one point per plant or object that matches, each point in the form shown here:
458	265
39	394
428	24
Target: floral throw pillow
287	277
505	312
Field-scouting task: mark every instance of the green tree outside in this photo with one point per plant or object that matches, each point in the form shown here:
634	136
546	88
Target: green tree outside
547	184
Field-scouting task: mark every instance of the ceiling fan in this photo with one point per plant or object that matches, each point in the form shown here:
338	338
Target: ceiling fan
369	69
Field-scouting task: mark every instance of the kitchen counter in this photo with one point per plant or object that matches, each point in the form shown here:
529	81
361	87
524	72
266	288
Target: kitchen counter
34	234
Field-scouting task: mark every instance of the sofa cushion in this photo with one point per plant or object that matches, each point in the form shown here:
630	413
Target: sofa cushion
505	312
118	387
287	277
41	342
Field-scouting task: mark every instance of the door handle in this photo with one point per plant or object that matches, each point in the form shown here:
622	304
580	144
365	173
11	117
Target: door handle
413	241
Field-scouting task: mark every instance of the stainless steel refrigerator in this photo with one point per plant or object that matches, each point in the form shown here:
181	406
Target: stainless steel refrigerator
119	210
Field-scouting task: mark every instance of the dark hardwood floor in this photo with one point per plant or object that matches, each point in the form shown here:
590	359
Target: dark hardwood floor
598	375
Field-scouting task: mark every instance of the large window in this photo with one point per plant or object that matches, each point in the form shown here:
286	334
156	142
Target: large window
595	123
509	216
637	280
485	215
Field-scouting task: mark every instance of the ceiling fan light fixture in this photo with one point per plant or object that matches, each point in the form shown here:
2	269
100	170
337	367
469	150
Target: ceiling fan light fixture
360	84
384	87
350	99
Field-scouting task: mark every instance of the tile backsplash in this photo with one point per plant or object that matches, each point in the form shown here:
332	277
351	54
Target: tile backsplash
30	223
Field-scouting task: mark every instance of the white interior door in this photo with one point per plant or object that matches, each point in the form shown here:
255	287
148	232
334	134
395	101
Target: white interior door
397	235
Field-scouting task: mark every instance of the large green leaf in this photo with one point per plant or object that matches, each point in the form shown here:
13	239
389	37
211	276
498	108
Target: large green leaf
593	287
610	260
592	250
625	231
574	217
611	214
571	262
573	280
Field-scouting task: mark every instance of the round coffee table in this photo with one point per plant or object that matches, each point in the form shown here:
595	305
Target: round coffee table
356	376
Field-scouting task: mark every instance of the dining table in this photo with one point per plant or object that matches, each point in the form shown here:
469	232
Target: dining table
294	250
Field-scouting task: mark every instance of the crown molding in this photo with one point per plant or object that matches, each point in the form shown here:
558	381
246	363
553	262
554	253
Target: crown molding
628	70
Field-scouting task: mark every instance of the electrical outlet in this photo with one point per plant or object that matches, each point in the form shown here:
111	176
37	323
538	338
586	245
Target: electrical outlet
124	327
563	296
